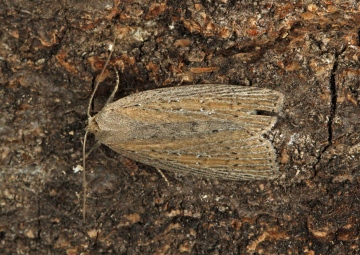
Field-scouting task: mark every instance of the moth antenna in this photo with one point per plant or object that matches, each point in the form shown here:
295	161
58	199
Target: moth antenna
89	118
98	81
110	99
84	176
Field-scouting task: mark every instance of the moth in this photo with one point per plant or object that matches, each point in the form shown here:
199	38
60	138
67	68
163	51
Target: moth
208	130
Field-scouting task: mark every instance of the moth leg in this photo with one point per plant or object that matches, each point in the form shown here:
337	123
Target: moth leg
111	98
95	147
163	176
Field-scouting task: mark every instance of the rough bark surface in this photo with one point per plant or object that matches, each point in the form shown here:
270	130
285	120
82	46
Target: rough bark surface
51	53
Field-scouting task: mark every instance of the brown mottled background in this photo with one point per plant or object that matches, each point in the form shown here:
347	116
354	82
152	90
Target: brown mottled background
50	55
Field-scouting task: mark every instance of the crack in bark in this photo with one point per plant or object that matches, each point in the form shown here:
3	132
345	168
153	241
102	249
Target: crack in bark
332	103
333	106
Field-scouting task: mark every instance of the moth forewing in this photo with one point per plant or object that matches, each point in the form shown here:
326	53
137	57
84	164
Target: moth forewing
207	130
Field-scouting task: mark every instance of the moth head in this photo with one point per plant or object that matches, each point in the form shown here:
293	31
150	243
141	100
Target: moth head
92	126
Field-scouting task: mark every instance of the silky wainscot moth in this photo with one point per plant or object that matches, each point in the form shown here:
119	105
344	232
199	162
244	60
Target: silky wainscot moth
211	130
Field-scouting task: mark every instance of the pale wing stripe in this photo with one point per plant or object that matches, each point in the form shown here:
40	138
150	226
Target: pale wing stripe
235	104
231	92
186	155
216	89
172	142
158	116
212	147
175	93
216	150
230	173
186	145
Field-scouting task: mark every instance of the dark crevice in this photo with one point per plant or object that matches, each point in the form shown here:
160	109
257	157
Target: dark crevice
332	103
333	106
